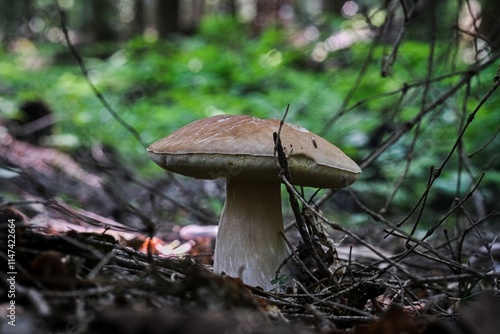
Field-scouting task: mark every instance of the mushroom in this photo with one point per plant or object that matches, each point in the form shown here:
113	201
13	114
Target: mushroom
240	148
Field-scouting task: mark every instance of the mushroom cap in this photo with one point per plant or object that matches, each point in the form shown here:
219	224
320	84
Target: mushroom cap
242	147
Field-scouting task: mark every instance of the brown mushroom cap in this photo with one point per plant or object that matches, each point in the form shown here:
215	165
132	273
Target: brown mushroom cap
242	147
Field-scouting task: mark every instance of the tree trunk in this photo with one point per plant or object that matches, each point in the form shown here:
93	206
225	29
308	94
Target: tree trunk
103	13
333	6
139	19
167	17
490	22
14	19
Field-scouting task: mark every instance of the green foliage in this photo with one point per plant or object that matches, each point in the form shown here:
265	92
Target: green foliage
159	86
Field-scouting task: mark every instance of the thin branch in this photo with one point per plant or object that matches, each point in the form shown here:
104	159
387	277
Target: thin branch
94	89
439	170
301	225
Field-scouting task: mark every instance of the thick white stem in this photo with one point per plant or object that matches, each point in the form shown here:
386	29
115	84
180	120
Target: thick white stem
249	244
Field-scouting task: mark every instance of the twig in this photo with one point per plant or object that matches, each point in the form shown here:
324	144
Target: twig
285	175
339	227
330	304
407	126
486	143
390	59
441	99
438	257
97	93
335	318
298	260
449	278
469	195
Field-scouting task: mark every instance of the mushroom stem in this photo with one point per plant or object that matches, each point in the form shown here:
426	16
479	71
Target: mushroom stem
249	244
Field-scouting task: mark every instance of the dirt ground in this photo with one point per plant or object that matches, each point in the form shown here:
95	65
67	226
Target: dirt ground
89	247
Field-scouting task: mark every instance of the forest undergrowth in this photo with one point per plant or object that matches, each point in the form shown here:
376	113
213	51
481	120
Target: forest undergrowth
97	247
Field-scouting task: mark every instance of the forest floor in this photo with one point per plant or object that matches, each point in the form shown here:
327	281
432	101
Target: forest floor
83	253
